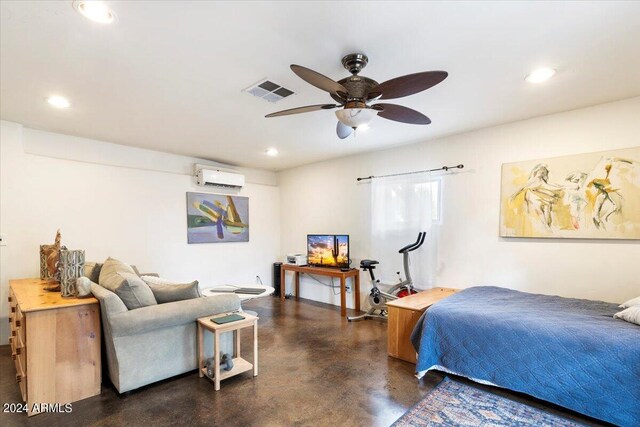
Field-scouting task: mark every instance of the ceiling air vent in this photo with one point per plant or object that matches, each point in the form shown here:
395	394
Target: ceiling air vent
269	91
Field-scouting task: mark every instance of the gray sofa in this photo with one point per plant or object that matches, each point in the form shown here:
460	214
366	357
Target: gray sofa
152	343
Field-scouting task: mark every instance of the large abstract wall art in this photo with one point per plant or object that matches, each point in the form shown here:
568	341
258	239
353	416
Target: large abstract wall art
587	196
217	218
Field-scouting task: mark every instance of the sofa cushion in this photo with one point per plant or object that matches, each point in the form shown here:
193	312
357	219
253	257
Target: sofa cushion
146	319
135	270
169	291
122	280
92	271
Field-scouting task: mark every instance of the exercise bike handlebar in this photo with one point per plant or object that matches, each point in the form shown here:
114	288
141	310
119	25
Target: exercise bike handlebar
413	246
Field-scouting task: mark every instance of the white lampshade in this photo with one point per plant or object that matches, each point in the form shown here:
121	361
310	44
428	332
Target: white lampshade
354	117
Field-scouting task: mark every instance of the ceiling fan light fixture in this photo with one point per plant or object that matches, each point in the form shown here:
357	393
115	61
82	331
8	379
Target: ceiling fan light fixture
355	117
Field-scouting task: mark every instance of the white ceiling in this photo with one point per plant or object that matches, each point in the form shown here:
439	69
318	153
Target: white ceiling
169	74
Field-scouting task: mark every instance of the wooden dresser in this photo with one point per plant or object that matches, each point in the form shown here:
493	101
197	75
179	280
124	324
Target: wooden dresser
404	313
55	343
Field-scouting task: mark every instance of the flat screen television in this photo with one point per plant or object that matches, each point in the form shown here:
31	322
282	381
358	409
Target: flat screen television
328	250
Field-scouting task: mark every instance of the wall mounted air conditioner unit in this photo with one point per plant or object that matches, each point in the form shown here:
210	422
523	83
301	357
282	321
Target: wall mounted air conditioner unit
218	178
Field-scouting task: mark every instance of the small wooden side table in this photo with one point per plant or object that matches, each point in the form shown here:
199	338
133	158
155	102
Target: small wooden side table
240	365
404	313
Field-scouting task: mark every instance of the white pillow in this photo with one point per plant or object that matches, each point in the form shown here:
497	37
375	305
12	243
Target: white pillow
632	302
631	314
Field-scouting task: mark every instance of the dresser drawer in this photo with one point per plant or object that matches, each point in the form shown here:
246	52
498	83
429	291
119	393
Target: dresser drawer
12	298
18	315
12	311
12	305
21	374
18	339
19	352
19	325
23	389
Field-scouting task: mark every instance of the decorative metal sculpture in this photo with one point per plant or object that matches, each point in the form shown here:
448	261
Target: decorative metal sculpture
71	267
44	273
49	258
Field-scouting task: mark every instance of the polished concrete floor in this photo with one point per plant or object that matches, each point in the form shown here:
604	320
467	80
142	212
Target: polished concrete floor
315	369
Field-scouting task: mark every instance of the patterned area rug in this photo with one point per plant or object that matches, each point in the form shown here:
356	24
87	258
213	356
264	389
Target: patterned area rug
455	404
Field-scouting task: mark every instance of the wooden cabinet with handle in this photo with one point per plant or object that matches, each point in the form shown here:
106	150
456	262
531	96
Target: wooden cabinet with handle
404	313
55	344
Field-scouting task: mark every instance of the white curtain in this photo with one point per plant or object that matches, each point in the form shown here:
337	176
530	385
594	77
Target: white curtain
401	207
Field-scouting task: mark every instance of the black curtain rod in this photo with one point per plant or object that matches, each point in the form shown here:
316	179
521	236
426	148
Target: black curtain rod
444	168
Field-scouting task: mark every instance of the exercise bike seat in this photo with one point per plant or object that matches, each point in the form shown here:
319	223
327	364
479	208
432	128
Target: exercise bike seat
368	263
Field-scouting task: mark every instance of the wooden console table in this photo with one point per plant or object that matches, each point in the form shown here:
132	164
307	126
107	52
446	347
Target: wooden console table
55	344
325	271
404	313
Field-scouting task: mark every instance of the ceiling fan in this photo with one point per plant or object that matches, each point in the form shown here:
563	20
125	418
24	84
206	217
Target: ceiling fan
354	94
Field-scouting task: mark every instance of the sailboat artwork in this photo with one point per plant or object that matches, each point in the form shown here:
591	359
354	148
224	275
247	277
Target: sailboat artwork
217	218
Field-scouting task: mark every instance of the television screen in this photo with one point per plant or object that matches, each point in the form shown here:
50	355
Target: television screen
328	250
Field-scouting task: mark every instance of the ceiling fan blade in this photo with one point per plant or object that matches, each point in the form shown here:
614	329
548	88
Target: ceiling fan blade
402	114
320	81
343	130
299	110
407	85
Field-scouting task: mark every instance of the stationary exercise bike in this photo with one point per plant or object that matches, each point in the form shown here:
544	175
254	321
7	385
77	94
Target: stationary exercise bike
378	298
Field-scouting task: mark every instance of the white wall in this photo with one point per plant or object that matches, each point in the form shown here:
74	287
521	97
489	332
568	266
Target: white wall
129	203
119	201
325	198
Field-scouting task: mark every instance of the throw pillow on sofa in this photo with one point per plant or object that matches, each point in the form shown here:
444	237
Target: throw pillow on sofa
169	291
92	271
120	279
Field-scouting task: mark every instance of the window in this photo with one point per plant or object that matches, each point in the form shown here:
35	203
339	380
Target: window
435	186
401	207
405	204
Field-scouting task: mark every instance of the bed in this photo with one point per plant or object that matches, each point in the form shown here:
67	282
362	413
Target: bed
570	352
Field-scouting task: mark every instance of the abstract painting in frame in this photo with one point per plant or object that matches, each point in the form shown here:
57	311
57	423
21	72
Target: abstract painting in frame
585	196
217	218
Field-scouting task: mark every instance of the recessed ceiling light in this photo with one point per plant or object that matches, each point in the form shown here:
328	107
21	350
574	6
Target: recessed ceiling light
540	75
94	10
58	101
272	152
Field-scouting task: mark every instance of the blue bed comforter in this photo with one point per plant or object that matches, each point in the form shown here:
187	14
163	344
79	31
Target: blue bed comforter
567	351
